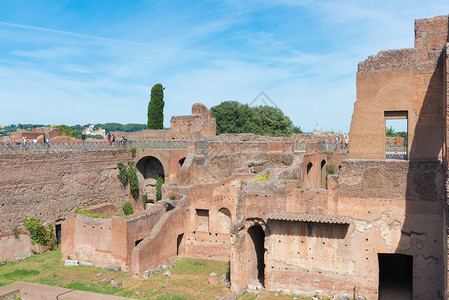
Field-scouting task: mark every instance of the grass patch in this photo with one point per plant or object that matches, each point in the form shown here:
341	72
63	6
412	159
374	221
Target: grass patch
188	280
91	287
19	274
89	214
170	297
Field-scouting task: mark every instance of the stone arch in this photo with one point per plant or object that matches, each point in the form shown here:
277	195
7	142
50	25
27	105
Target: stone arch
150	168
224	220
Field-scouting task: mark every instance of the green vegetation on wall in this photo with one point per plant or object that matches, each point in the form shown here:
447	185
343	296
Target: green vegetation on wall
39	233
122	173
133	182
156	108
234	117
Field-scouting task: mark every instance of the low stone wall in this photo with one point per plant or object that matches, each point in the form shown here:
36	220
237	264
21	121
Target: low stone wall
107	241
15	248
33	291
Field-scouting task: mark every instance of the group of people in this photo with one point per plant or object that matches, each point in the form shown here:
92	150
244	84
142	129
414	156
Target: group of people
341	142
111	139
24	142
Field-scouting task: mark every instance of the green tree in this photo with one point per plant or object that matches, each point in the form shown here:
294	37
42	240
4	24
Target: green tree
156	108
389	131
234	117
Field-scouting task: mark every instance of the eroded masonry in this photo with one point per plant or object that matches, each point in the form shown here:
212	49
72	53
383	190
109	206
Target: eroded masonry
268	205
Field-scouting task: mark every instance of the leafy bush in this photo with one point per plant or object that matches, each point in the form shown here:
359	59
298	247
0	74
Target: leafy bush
173	197
133	152
39	233
123	173
159	183
133	182
127	209
68	131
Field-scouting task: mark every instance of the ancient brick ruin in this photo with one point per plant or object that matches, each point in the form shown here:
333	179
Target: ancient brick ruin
267	205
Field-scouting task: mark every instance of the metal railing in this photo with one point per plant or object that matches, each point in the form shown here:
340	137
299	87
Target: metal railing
396	151
89	146
325	146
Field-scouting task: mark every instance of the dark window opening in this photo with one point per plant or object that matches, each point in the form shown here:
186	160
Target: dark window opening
138	242
395	276
309	167
323	163
179	243
181	161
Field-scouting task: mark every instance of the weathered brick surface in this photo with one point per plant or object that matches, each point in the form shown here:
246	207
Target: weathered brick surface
50	185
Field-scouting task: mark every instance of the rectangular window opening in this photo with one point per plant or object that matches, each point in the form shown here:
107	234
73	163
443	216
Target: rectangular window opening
396	134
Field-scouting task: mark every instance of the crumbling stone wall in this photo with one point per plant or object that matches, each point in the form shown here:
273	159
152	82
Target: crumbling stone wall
198	125
330	239
50	185
406	80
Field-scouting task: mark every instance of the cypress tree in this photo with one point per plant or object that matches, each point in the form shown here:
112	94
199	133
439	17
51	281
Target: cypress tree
156	108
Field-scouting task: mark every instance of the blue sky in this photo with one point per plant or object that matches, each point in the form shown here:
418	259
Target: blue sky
79	62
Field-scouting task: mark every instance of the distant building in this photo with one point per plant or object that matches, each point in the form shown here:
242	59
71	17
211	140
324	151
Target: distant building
317	129
90	130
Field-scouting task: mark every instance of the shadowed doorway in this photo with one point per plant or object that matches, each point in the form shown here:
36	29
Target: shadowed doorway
395	276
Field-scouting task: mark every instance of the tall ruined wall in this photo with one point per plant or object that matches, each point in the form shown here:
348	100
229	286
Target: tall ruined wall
195	126
331	239
49	185
410	81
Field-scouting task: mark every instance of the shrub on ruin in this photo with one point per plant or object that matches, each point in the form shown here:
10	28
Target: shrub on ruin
128	209
156	107
173	197
159	183
133	182
133	152
39	233
122	173
144	200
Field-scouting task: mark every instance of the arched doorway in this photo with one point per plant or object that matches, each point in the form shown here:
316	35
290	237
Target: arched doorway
151	169
256	263
224	220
